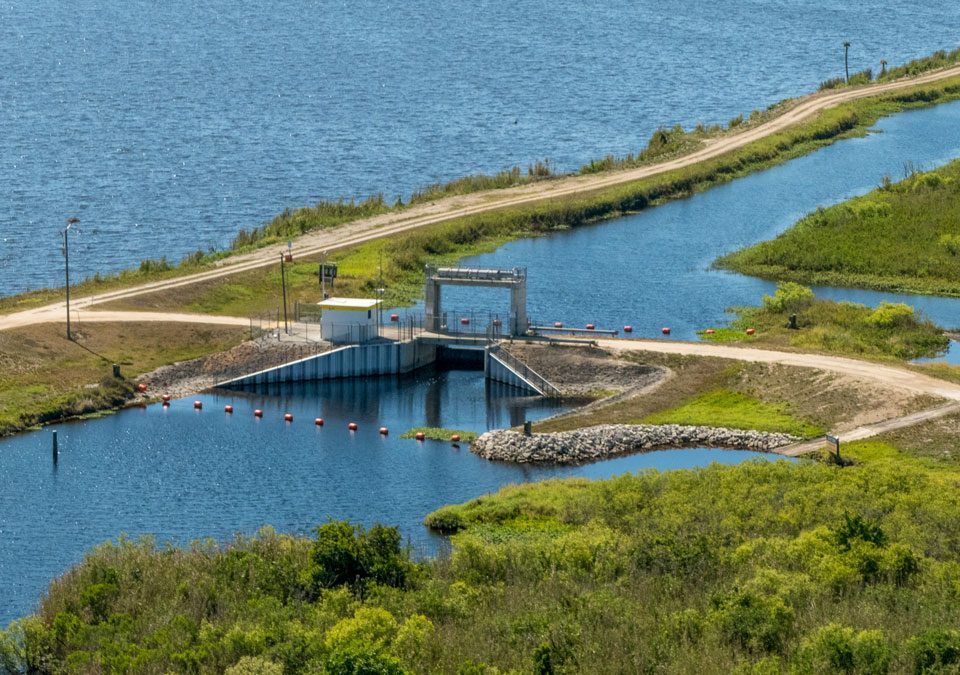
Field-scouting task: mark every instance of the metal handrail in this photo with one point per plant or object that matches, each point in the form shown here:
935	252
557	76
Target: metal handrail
525	371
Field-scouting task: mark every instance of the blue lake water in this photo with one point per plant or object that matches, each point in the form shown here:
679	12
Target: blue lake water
166	127
179	474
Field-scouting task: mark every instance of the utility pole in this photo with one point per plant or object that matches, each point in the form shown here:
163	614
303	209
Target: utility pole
66	266
283	284
380	290
846	62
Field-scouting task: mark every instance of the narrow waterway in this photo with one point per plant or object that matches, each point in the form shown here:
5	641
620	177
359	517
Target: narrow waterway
653	269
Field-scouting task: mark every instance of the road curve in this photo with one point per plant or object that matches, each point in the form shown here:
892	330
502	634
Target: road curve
887	375
361	231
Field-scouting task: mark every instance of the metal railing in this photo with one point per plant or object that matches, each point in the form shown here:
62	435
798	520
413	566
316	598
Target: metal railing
525	371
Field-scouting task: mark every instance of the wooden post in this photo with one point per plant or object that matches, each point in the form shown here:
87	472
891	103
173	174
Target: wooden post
56	451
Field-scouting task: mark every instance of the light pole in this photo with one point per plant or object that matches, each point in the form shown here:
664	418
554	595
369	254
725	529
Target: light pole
71	221
846	62
283	284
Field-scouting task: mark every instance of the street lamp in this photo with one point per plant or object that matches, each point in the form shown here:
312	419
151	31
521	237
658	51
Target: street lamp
71	221
283	284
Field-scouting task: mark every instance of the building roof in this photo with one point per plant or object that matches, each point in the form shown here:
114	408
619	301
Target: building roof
350	304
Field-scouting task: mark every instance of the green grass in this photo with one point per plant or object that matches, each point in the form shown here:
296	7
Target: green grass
734	410
44	377
440	434
901	237
890	332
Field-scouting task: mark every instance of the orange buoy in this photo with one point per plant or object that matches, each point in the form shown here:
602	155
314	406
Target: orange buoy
590	326
141	387
318	421
420	436
198	405
464	321
166	398
258	413
497	323
558	324
228	408
751	331
455	438
352	426
394	317
384	431
709	331
665	330
287	417
628	329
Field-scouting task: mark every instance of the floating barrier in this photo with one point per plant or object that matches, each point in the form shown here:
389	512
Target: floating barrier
420	436
352	426
628	329
751	331
228	409
665	330
197	405
166	398
497	323
709	331
258	413
384	431
394	318
287	417
455	438
590	326
558	324
464	321
318	421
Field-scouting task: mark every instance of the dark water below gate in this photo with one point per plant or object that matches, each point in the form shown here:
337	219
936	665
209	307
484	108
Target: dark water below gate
168	126
180	474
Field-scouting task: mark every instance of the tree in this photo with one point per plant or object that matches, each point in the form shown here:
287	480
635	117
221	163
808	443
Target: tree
883	67
846	60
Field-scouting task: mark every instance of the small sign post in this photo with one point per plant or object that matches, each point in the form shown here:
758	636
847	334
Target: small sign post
835	441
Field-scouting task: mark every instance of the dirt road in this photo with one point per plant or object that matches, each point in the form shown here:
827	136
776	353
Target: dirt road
385	225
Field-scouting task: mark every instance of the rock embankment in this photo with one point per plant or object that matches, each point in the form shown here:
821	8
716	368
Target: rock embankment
600	442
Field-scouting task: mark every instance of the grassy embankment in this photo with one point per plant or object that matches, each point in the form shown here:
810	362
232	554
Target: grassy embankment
405	255
758	568
44	377
891	331
901	237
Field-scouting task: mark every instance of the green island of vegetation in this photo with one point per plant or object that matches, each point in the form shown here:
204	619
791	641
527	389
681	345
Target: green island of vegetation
890	331
764	567
902	236
440	434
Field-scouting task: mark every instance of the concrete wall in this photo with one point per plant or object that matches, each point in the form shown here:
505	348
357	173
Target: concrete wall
498	371
389	358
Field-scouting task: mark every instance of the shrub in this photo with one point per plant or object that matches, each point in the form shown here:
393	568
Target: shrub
757	622
789	297
855	527
951	242
345	554
934	650
891	315
837	648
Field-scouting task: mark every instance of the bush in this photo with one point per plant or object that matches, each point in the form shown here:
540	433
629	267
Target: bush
789	297
891	315
756	622
254	665
837	648
345	554
934	650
